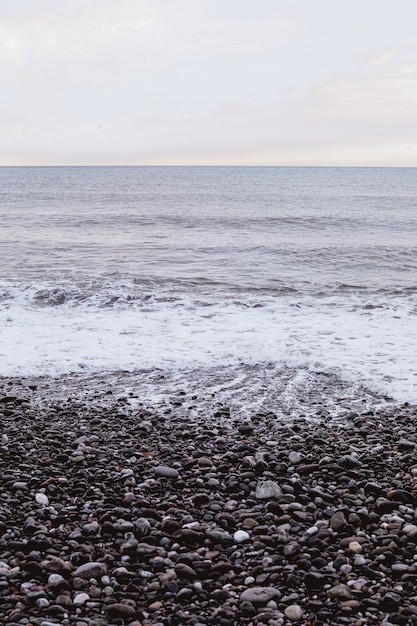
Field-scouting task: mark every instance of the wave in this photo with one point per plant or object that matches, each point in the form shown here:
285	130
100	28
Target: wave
115	291
358	338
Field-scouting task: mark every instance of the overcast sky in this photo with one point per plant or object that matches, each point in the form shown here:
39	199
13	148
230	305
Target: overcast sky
257	82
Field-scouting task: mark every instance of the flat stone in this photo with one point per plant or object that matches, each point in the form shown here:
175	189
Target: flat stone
260	595
121	610
220	536
90	570
166	472
20	486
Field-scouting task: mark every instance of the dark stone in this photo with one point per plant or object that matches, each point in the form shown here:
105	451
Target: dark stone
314	580
390	602
124	611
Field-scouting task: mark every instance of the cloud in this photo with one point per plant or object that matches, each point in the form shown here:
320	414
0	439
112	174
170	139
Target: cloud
384	57
78	41
140	81
383	94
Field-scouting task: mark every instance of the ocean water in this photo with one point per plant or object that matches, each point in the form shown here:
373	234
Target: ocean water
211	270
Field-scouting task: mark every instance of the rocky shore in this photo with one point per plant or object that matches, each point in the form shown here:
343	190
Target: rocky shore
114	512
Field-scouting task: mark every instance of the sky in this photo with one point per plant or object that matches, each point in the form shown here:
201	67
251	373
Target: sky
208	82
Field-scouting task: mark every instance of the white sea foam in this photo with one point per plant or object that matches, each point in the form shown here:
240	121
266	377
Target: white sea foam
371	346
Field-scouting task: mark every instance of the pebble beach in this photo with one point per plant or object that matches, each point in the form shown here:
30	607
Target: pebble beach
117	511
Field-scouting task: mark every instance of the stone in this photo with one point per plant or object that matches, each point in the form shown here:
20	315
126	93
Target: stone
124	611
355	547
56	580
260	595
390	602
266	489
183	570
341	592
338	521
293	612
92	569
42	499
220	537
20	486
80	599
204	462
166	472
240	536
294	457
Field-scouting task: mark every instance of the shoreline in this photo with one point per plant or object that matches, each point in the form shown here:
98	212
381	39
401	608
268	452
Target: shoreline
116	510
246	389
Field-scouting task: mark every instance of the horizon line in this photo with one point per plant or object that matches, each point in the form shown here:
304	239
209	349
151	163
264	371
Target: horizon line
166	165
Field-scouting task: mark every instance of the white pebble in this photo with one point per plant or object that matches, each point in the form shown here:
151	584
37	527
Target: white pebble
42	499
294	457
355	547
409	529
55	579
293	612
81	598
241	536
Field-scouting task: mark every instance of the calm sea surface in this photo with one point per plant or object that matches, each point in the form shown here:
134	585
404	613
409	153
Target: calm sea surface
109	268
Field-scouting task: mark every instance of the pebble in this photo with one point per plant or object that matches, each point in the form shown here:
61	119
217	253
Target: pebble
124	611
355	547
340	591
267	489
260	595
42	499
123	514
166	472
80	599
240	536
294	457
90	570
293	612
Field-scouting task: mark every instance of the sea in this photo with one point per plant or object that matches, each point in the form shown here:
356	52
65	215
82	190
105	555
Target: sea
252	283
